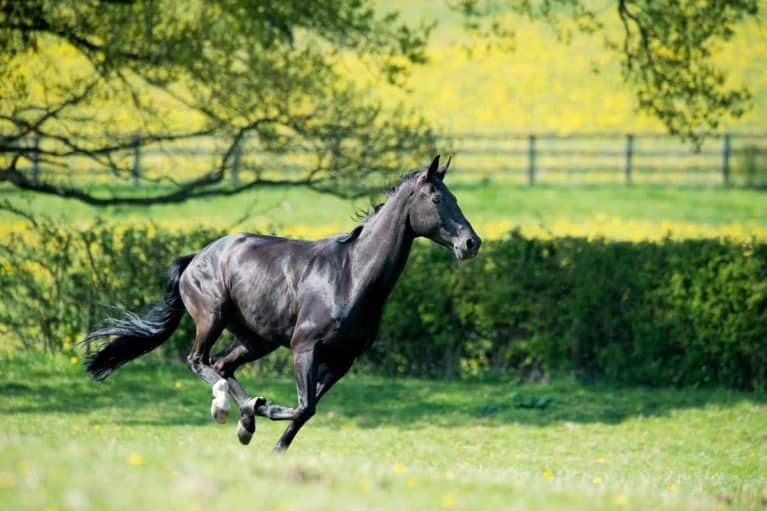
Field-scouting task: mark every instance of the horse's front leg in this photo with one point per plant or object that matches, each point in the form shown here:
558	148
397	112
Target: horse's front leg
328	375
305	367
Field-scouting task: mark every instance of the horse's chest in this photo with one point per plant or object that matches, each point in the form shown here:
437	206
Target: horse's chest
353	331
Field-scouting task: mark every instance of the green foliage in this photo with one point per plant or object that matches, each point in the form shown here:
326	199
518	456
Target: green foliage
81	79
61	283
691	312
669	312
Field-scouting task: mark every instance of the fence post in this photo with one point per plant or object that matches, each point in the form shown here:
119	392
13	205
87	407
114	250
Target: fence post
531	160
629	155
236	163
726	159
136	159
36	158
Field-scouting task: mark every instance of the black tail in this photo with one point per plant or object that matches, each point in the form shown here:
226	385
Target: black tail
132	335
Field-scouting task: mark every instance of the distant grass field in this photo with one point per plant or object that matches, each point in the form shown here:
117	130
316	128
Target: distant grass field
143	440
493	206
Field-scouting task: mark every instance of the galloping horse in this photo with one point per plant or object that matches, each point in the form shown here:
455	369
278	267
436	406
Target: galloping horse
322	299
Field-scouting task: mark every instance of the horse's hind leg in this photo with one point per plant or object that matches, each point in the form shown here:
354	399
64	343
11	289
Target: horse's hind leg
205	298
226	363
198	360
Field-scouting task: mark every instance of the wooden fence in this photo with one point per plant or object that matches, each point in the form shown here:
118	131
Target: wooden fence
539	158
610	157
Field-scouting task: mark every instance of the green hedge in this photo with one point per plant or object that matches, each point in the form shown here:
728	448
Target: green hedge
672	312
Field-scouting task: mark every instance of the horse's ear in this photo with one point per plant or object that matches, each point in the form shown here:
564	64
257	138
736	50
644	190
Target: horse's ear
433	169
443	169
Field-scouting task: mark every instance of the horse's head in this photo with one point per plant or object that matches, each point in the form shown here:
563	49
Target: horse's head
434	213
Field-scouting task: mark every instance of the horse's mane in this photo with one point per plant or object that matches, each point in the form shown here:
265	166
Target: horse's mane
366	215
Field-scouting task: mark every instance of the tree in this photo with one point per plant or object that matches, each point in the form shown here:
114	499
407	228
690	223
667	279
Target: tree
665	48
80	78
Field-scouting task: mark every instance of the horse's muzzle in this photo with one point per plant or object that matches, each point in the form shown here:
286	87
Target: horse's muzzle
467	247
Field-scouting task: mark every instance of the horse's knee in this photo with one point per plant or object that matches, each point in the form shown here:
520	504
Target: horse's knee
305	413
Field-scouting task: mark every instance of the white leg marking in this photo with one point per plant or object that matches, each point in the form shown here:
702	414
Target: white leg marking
219	408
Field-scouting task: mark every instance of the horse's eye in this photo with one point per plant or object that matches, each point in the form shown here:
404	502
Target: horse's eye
436	199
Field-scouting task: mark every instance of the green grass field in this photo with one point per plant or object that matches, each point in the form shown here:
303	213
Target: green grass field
143	440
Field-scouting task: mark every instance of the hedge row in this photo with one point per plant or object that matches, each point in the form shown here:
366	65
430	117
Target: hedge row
670	312
688	312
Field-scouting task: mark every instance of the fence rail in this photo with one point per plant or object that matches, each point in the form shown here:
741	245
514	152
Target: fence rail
627	158
531	158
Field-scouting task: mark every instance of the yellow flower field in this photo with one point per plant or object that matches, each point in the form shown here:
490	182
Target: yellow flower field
597	226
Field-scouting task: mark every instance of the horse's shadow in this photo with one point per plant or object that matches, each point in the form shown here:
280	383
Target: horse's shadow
457	404
156	394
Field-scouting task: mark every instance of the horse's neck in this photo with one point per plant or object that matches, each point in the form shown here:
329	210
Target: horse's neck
381	251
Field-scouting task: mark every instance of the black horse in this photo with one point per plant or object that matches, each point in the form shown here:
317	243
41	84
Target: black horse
322	299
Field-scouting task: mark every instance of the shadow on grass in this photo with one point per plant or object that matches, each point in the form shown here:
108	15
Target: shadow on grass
149	393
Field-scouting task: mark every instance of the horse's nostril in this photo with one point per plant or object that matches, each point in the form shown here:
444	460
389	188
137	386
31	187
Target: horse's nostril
469	243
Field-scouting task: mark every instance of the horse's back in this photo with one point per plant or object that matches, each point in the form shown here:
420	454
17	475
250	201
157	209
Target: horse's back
258	278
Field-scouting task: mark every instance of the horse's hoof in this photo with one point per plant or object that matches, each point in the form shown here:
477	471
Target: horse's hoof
245	429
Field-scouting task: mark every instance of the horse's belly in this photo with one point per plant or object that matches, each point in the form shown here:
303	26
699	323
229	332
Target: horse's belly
267	311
